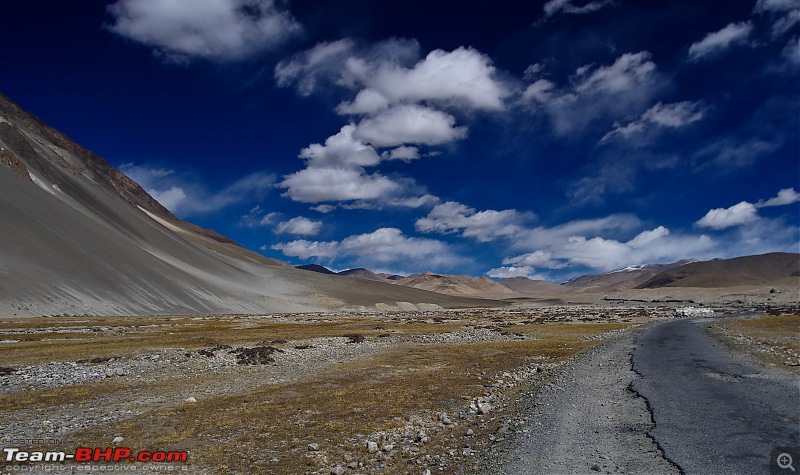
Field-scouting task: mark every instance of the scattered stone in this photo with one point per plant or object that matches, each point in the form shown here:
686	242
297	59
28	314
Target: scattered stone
352	465
337	470
119	372
387	447
118	439
596	468
445	419
372	447
470	432
313	447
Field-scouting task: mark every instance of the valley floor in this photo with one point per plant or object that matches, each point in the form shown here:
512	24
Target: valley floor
393	392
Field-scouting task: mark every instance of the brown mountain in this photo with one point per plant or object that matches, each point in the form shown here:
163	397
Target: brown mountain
619	279
537	288
81	237
457	285
748	270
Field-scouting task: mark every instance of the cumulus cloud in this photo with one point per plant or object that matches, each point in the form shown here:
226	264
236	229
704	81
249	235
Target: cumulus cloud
488	225
185	197
318	184
745	212
786	196
342	150
217	30
721	218
398	105
718	41
537	258
554	7
384	246
403	152
596	93
675	115
300	226
409	124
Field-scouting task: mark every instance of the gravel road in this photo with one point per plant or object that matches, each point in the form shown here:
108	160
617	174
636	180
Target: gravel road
587	421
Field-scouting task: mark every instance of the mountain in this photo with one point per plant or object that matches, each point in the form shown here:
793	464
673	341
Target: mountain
539	288
361	273
748	270
457	285
316	268
619	279
80	237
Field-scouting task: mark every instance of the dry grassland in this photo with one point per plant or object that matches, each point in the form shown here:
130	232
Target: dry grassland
390	380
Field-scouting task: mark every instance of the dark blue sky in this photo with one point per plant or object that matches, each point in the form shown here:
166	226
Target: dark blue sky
545	139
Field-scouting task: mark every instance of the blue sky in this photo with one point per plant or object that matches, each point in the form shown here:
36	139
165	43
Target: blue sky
546	139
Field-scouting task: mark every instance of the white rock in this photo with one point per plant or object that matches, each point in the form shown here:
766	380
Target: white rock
190	399
118	439
313	447
337	470
372	447
387	447
470	432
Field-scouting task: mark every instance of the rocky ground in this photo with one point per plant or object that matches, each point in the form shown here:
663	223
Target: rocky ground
487	415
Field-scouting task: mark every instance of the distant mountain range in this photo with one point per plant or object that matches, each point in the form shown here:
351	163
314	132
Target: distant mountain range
717	273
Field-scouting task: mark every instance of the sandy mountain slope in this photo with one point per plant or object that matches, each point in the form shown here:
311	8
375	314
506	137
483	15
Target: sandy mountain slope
78	236
619	279
457	285
536	288
739	271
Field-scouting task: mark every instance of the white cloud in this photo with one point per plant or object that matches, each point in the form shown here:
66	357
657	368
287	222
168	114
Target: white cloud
488	225
511	271
217	30
721	218
462	75
596	93
341	150
735	152
784	13
554	7
323	208
171	198
675	115
187	197
786	196
384	246
403	152
409	124
718	41
317	184
537	258
300	226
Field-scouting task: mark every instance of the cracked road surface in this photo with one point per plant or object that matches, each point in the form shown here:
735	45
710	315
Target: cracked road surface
714	411
587	420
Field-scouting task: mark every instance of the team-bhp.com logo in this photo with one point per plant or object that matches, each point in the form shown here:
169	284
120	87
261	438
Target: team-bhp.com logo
97	454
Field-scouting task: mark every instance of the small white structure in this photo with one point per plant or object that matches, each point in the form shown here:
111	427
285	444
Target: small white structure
693	312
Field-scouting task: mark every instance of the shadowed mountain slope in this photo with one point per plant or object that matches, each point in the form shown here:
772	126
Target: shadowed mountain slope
748	270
